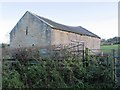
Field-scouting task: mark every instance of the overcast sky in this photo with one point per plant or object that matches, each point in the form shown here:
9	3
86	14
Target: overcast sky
100	18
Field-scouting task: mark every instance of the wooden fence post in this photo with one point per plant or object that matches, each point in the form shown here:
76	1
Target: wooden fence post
83	56
86	57
113	65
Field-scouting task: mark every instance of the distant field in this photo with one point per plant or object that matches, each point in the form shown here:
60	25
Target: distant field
109	49
110	46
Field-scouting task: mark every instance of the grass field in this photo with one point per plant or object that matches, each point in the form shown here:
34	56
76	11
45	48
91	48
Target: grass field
110	46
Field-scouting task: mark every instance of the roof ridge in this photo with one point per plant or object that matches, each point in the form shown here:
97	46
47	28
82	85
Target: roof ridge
55	22
89	31
74	29
40	18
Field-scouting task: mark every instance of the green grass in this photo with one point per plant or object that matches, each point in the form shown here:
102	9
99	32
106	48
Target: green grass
110	46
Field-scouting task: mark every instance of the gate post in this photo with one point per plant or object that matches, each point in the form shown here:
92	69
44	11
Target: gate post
86	57
113	66
83	55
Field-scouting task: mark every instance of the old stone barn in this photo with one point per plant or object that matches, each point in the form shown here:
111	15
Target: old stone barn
34	31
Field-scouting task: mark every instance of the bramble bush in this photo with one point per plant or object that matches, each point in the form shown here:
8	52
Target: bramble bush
48	73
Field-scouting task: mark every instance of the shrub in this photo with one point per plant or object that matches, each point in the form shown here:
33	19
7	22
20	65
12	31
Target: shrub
48	73
11	78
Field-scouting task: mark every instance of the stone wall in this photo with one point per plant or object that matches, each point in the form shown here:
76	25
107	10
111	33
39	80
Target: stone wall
62	37
30	31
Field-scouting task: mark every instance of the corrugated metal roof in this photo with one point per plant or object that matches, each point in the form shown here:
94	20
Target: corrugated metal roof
78	29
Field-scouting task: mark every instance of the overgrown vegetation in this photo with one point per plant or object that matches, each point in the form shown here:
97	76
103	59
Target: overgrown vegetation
49	73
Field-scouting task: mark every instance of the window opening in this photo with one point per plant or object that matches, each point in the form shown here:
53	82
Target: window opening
26	30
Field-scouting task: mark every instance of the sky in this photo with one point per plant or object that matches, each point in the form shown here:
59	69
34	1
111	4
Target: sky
100	18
